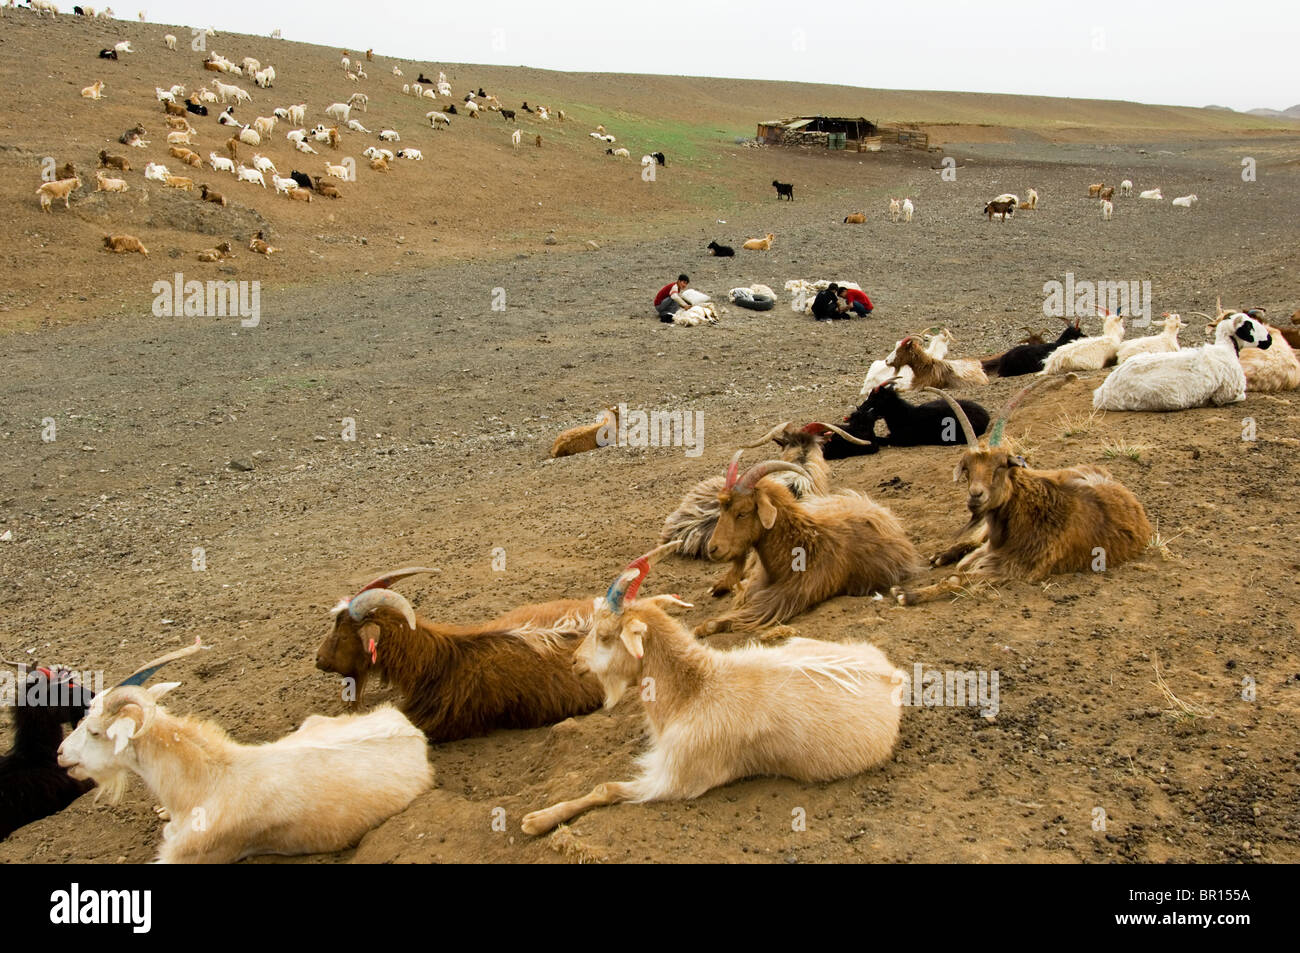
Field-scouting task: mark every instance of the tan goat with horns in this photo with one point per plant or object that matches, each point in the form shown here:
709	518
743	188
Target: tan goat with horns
1029	524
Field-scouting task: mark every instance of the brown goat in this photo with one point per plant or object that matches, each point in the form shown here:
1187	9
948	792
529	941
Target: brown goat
587	437
808	550
107	161
693	521
232	147
1094	190
930	371
173	109
125	243
65	171
1030	524
1107	193
457	681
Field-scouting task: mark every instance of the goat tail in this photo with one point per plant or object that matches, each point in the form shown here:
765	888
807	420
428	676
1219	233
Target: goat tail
693	521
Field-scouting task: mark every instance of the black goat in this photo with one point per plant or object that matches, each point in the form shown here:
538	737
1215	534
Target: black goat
302	178
508	114
526	108
197	108
783	188
1029	358
78	11
910	425
659	157
722	251
1003	208
108	54
451	110
32	785
425	80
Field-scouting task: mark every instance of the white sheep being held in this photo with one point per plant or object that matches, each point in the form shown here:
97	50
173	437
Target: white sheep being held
807	710
317	790
1191	377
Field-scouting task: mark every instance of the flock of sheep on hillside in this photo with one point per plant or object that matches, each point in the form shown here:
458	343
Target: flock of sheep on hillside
804	709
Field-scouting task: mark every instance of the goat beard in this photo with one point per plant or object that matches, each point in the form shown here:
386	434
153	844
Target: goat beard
111	785
615	686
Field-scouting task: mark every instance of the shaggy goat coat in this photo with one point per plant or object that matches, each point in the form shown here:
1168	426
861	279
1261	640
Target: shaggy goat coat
1087	354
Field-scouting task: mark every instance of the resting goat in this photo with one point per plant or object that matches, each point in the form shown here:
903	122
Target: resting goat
808	550
883	370
808	710
458	681
314	791
1029	358
1030	524
1166	340
588	437
32	785
1088	354
929	371
910	425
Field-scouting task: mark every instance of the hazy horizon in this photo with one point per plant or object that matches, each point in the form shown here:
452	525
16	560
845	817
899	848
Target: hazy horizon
1150	53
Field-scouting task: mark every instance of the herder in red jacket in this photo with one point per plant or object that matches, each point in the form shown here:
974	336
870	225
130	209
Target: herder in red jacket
669	300
856	301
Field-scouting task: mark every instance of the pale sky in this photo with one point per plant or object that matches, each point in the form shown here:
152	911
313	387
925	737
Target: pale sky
1190	53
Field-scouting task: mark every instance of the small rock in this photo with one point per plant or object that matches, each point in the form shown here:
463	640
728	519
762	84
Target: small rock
592	245
240	465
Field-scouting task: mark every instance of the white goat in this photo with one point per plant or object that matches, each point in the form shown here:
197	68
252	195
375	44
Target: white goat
1165	340
1087	354
298	114
389	135
356	126
263	164
283	185
808	710
315	791
156	172
1191	377
436	117
1107	210
515	138
1184	201
123	47
338	111
221	163
1153	194
246	174
409	153
1126	187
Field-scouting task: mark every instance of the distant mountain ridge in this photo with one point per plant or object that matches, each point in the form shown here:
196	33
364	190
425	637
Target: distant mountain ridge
1291	112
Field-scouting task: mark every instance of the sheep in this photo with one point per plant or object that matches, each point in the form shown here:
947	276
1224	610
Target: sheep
63	189
43	7
207	96
125	243
1165	340
314	791
660	158
156	172
32	785
929	371
783	188
908	209
379	164
1088	354
170	41
537	141
459	681
208	195
856	218
221	163
807	550
721	251
248	134
1190	377
302	178
509	115
397	72
346	63
287	185
329	135
245	174
760	244
884	370
1126	187
164	95
895	209
910	425
179	182
104	184
226	91
1001	208
356	126
94	91
371	152
435	117
1153	194
338	111
113	162
1184	201
189	157
303	146
808	710
250	65
705	313
409	153
1094	190
587	437
1028	524
1029	358
1107	210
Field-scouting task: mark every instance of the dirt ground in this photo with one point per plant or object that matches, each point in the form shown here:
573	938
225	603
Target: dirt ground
180	433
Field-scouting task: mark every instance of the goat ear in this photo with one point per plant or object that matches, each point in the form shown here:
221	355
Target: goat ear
162	688
766	510
958	471
120	731
632	636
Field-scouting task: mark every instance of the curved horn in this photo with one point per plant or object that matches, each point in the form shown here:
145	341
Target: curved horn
1200	314
142	674
387	579
770	435
971	439
629	581
838	432
733	468
760	470
123	695
370	600
1051	383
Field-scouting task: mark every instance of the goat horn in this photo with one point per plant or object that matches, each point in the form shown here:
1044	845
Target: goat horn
733	468
1051	383
369	600
387	579
629	581
1201	314
971	439
837	431
144	672
760	470
123	695
770	435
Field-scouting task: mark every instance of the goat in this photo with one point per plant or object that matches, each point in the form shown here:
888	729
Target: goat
32	785
113	162
760	244
1107	210
883	370
1126	187
1166	340
929	371
108	54
508	115
1001	208
1190	377
721	251
197	108
910	425
208	195
1184	201
50	191
458	681
693	521
327	189
1090	353
1095	189
857	218
1153	194
895	209
1029	358
170	41
1032	196
807	550
105	184
783	189
94	91
315	791
588	437
125	243
660	158
221	163
1029	524
260	245
245	174
220	253
718	716
908	209
1107	193
179	182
